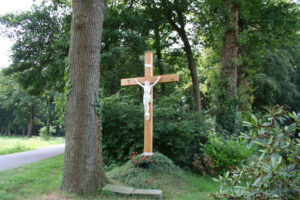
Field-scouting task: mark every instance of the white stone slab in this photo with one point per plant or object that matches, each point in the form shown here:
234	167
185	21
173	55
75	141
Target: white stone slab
131	191
148	193
118	189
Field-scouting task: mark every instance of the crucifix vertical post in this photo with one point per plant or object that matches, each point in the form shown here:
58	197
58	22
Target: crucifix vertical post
148	124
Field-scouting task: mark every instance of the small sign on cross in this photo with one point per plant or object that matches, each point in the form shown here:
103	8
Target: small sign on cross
147	82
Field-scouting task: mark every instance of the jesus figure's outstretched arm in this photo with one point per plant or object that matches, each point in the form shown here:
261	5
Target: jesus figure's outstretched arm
155	81
138	83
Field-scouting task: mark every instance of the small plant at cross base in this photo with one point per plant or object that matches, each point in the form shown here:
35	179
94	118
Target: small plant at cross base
141	161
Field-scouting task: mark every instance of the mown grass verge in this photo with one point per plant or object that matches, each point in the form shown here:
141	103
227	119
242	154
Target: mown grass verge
15	144
41	181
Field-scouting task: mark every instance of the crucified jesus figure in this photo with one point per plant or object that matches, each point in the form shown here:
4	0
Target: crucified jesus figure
147	96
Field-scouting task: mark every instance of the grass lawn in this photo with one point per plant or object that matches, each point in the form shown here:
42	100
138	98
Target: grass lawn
19	144
41	180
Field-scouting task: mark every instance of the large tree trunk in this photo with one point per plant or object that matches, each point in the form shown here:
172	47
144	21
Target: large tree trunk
230	50
83	169
227	105
30	122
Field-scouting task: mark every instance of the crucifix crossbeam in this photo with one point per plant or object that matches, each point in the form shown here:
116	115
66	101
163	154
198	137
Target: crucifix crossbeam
148	82
151	79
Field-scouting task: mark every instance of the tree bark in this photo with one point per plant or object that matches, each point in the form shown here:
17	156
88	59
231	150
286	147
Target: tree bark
188	50
193	71
230	50
30	122
243	85
83	168
226	115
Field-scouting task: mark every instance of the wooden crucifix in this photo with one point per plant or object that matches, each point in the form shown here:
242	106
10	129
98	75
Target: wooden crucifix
147	82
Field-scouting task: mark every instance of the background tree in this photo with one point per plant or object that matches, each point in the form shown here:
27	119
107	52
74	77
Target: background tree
19	108
227	111
38	55
177	13
263	28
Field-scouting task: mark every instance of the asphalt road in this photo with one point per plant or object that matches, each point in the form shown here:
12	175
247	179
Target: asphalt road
11	161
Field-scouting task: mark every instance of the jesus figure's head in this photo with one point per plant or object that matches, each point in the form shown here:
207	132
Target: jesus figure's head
147	83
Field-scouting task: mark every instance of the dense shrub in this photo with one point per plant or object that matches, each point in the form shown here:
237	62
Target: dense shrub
43	132
275	173
226	152
177	133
